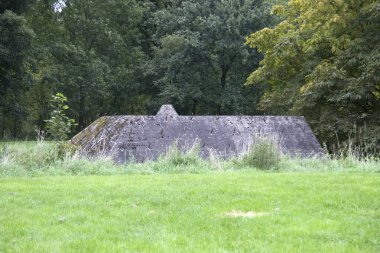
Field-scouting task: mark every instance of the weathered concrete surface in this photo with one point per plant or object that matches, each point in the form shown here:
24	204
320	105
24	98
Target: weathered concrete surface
142	138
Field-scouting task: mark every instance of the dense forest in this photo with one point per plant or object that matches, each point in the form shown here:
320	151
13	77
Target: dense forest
316	58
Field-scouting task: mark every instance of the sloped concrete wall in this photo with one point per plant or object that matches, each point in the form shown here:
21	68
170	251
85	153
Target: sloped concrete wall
142	138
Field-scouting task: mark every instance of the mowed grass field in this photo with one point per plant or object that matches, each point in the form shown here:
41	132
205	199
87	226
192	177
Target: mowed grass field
288	212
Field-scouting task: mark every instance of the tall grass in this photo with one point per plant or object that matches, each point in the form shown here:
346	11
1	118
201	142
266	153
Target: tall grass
49	158
263	154
29	159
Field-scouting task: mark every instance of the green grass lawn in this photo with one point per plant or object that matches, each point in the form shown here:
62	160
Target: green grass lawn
304	212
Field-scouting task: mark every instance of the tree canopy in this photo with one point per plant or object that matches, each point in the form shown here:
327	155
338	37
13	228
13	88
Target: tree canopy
201	62
15	44
322	61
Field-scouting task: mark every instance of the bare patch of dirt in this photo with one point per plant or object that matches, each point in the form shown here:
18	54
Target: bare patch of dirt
249	214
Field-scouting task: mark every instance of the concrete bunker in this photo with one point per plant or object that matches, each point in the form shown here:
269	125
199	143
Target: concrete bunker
142	138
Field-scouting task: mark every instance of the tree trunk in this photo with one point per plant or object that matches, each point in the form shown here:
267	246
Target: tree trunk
2	124
194	107
223	78
14	128
81	108
223	83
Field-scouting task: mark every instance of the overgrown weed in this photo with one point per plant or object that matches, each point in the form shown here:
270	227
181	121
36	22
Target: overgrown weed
49	158
176	159
28	159
263	154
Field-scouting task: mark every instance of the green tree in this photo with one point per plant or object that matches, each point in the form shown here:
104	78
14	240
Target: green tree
16	6
97	64
200	63
15	43
59	126
323	61
44	21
